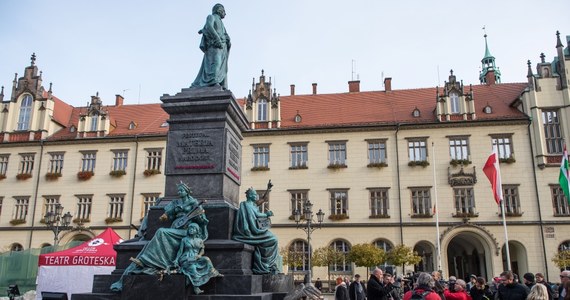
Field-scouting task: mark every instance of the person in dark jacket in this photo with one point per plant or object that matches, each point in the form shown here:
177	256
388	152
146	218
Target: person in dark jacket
340	292
356	289
376	289
540	280
438	286
528	280
481	290
509	289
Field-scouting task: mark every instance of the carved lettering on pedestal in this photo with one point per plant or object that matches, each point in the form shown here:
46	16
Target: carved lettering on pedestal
233	157
194	150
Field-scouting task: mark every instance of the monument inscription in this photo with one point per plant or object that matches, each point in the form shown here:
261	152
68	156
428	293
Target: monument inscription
194	151
233	157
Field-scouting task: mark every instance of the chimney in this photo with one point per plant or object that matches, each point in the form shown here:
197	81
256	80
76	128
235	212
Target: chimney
388	84
292	90
490	77
314	88
119	100
354	86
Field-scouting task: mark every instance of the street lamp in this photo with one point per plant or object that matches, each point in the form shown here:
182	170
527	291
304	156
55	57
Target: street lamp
57	222
307	225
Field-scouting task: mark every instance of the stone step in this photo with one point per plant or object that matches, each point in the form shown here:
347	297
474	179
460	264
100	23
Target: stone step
102	283
96	296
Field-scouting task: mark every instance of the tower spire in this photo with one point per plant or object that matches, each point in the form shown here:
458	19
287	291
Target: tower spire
490	74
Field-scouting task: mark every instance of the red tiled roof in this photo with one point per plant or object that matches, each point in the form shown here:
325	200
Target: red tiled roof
61	111
396	106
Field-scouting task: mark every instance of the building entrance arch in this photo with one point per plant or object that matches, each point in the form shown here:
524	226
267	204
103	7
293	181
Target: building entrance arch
468	251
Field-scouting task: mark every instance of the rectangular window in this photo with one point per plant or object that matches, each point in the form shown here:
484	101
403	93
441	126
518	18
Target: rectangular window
337	153
50	203
261	156
94	122
504	145
559	202
459	148
298	198
120	158
26	163
454	103
339	202
512	200
3	164
421	202
153	159
21	207
148	201
376	151
84	207
88	161
417	149
464	202
552	132
55	162
116	204
299	156
379	204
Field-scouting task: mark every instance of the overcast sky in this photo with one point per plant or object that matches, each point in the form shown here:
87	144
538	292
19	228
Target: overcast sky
143	49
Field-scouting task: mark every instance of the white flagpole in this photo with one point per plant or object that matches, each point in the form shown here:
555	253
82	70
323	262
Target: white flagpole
436	209
503	210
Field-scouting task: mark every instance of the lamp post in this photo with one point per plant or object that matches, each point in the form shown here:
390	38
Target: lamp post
307	226
57	222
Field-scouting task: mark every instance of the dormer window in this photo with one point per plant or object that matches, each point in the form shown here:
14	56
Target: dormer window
25	113
262	110
454	103
416	113
132	125
487	109
298	118
94	122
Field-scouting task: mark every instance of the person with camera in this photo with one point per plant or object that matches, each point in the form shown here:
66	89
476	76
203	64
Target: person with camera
481	291
423	289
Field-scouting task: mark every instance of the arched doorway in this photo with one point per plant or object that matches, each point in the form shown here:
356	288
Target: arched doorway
468	253
426	251
519	262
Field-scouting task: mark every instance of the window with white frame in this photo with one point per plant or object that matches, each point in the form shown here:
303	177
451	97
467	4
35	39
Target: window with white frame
298	198
116	206
386	246
21	204
417	149
459	147
4	164
464	201
552	132
512	200
148	200
454	103
337	153
421	201
55	162
88	159
84	203
379	202
339	202
343	265
376	151
50	202
26	163
25	113
299	256
262	110
261	156
299	155
153	159
559	202
95	122
504	145
120	158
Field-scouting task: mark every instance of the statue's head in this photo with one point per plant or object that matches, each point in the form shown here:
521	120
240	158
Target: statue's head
251	194
193	228
183	187
219	9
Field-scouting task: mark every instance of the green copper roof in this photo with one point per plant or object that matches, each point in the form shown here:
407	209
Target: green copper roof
487	52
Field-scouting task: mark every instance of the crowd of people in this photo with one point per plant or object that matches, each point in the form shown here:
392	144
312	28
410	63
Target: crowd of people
425	286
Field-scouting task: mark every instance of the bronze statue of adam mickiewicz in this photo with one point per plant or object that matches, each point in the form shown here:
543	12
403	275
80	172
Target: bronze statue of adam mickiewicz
216	47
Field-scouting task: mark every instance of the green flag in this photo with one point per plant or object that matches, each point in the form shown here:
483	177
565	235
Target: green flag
564	177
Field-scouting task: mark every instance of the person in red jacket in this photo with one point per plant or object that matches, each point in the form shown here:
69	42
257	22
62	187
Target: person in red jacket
458	293
424	284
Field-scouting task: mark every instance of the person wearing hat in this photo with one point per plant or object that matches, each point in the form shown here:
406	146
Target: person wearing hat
528	280
356	289
471	283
